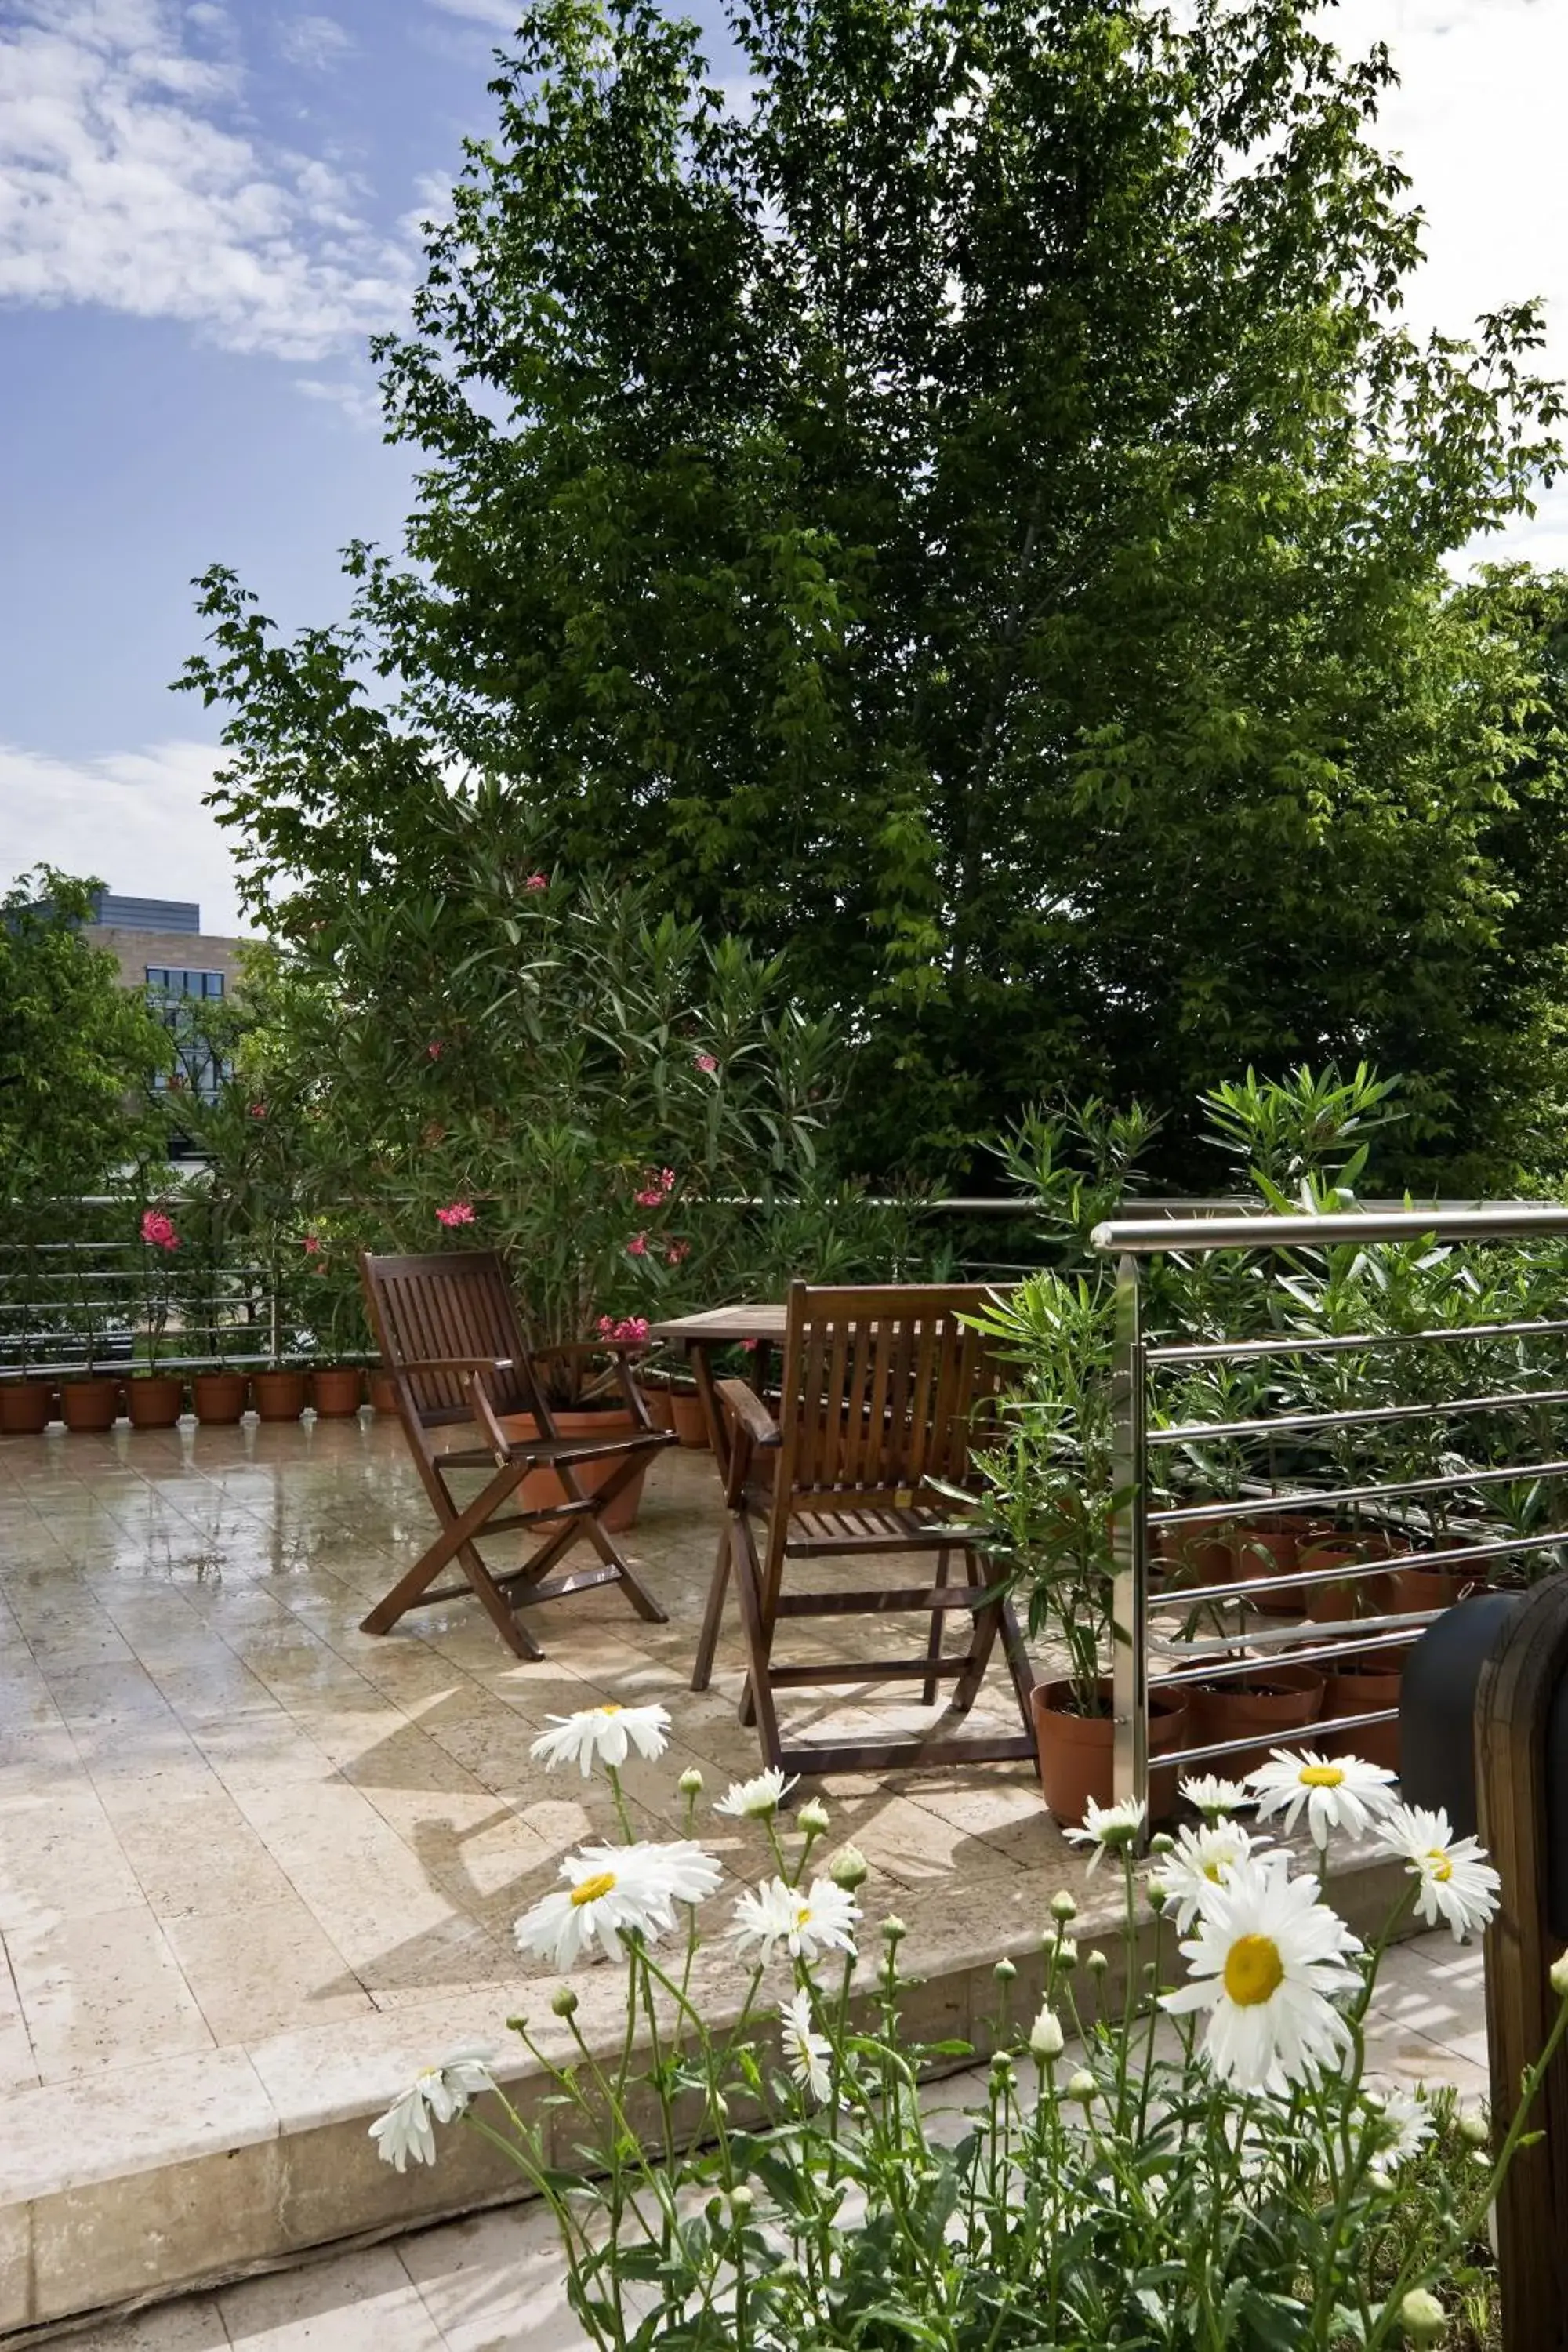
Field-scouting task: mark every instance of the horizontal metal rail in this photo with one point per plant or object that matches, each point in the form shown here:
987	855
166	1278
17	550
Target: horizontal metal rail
1210	1351
1306	1734
1360	1417
1128	1237
1322	1498
1354	1571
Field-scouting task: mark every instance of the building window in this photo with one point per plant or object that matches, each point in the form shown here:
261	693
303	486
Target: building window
197	1069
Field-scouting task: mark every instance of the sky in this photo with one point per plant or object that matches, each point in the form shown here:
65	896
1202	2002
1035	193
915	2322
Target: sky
205	211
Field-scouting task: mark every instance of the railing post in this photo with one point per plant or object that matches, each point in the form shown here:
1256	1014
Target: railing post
1129	1590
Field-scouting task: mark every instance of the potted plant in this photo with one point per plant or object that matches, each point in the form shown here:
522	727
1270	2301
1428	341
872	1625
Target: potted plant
27	1398
153	1399
1047	1513
90	1400
336	1309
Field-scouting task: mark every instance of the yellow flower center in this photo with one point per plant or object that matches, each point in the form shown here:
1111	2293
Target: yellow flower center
1320	1776
1253	1971
1210	1871
1440	1866
610	1709
802	1914
593	1888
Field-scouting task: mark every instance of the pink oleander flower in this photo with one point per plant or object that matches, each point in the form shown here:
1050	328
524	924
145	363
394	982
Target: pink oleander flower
537	882
632	1329
638	1246
748	1344
648	1199
435	1049
658	1185
158	1231
678	1252
460	1213
706	1063
605	1327
259	1110
312	1245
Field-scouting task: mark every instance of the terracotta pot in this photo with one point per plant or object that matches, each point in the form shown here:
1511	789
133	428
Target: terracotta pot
154	1399
1433	1588
90	1404
1201	1553
688	1419
1273	1700
219	1398
383	1394
660	1412
1360	1685
335	1390
542	1487
1075	1751
1351	1596
1270	1545
278	1396
25	1407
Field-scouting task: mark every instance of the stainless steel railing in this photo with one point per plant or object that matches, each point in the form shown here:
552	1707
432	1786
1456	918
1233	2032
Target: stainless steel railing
1149	1648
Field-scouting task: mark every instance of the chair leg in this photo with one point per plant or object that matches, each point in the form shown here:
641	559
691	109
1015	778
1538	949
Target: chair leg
757	1700
986	1624
455	1538
933	1642
712	1617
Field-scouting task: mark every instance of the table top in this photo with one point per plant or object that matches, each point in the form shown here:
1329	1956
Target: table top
752	1319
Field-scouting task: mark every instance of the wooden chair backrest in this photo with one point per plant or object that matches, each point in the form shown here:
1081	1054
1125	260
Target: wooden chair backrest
880	1390
448	1303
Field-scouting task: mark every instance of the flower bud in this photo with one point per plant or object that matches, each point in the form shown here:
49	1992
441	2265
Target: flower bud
1096	1963
811	1818
1158	1894
1004	1971
740	2201
1065	1955
893	1928
691	1783
1046	2038
1422	2317
1162	1843
1474	2130
563	2001
1062	1905
1557	1976
848	1868
1081	2085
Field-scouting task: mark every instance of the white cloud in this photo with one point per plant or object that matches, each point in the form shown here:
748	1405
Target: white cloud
358	400
313	42
134	819
129	179
504	14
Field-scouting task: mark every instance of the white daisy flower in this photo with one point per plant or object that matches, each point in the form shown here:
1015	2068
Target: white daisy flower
755	1800
1215	1798
1265	1959
602	1735
806	1920
1198	1860
806	2051
439	2092
1107	1828
1338	1792
1402	2121
1457	1881
613	1886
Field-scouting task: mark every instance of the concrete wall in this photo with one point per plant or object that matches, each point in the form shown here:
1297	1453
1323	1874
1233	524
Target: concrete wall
179	950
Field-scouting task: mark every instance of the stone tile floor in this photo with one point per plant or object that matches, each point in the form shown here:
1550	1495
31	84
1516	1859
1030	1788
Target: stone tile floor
494	2282
227	1815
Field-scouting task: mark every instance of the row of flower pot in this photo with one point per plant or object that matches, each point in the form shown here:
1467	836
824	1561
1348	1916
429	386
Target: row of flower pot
1274	1699
1237	1551
157	1399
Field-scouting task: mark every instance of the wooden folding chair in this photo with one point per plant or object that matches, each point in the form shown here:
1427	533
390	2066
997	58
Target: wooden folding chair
882	1392
451	1343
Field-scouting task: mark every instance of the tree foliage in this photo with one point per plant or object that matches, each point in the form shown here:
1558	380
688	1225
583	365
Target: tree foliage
75	1048
968	511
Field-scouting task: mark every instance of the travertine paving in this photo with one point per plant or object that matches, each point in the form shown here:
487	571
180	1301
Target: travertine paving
495	2283
225	1813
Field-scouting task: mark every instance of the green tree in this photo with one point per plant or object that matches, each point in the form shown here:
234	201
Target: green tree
75	1048
970	513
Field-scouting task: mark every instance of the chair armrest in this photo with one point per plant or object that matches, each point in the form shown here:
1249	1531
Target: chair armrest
750	1411
453	1364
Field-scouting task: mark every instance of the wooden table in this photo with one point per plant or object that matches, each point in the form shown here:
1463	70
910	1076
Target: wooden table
762	1323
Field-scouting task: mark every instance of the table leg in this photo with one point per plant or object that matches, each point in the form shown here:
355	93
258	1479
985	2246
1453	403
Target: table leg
719	1438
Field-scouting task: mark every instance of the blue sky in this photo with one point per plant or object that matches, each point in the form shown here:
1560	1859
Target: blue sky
204	211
